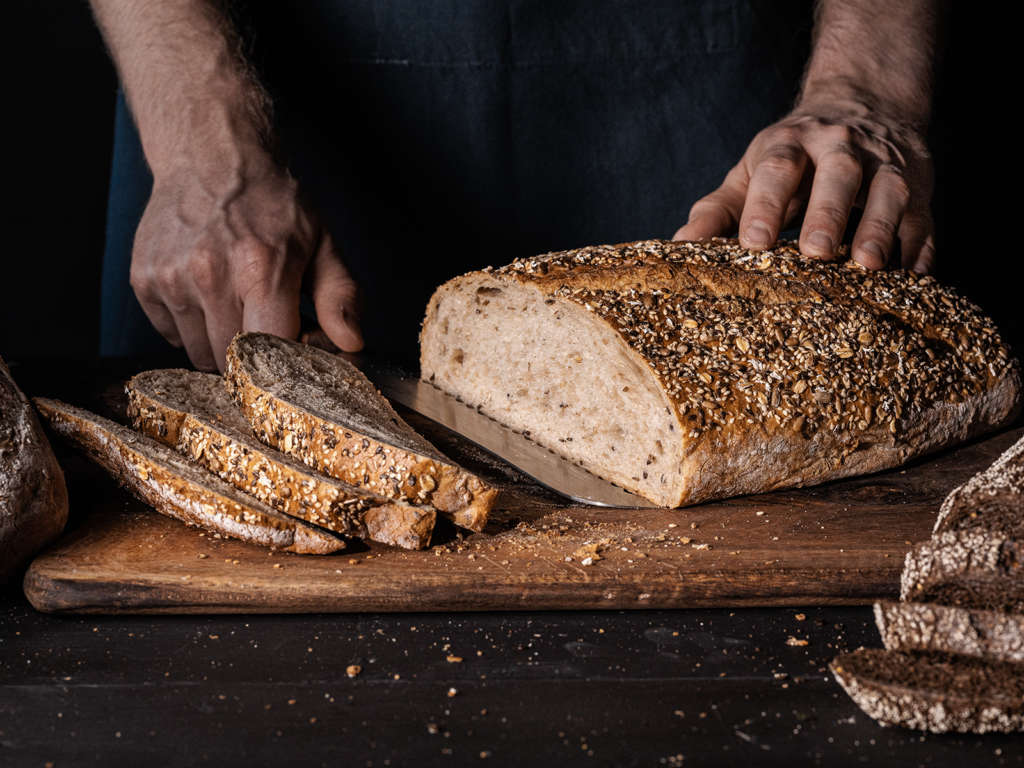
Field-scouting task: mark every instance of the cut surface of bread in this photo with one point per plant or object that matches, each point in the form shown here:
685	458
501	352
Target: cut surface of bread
934	692
33	497
691	371
174	486
319	408
993	499
992	635
969	569
192	412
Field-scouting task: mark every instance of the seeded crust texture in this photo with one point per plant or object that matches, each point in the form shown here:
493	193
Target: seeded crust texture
993	499
992	635
970	569
33	497
192	412
934	692
319	408
176	487
689	371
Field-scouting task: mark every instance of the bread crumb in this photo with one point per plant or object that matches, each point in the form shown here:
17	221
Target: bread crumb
452	692
795	641
453	659
800	616
202	556
352	670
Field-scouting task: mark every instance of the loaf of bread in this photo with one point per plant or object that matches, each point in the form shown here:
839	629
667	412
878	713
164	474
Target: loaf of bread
934	692
688	371
176	487
970	569
992	635
193	413
33	497
319	408
993	499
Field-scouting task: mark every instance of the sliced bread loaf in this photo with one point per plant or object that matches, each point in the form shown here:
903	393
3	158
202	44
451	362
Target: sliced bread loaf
192	412
969	569
934	692
321	409
992	635
993	499
176	487
688	371
33	497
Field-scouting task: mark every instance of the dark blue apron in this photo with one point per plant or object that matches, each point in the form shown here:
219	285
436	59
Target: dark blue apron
439	136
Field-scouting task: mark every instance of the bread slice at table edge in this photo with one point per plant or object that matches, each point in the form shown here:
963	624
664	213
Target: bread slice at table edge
970	569
325	439
929	691
984	634
192	412
175	487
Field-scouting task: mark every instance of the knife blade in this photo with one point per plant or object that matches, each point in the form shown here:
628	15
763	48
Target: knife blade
543	465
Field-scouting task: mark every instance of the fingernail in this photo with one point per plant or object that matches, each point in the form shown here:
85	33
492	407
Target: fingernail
820	242
872	255
758	235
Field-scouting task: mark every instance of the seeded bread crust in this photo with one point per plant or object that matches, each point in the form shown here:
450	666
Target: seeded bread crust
33	497
774	370
993	499
934	692
325	413
969	569
991	635
191	412
173	486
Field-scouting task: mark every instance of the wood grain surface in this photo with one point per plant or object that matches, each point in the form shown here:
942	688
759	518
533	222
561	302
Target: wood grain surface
841	543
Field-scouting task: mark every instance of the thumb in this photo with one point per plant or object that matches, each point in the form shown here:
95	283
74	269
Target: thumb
335	298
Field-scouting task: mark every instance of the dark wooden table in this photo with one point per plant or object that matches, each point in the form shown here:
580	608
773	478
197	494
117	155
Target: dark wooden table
705	687
643	688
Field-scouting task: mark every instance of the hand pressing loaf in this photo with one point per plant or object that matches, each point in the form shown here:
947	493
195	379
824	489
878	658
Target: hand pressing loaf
690	371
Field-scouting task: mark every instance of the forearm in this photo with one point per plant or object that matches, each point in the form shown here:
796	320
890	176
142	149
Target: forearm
187	83
874	55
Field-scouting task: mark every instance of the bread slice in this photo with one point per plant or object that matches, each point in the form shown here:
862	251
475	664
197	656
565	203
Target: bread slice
689	371
969	569
991	635
33	497
176	487
934	692
192	412
993	499
322	410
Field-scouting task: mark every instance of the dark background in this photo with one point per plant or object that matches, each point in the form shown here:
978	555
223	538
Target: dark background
62	88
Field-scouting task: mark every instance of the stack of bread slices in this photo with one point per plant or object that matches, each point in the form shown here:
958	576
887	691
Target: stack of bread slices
954	644
293	448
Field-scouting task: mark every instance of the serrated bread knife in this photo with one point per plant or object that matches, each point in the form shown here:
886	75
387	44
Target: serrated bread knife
544	466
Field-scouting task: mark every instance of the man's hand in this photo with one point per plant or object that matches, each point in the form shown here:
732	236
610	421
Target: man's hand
854	140
209	262
825	162
226	240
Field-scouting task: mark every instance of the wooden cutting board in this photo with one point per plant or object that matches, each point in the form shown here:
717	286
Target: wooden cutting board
841	543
